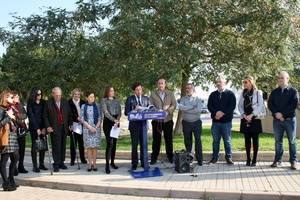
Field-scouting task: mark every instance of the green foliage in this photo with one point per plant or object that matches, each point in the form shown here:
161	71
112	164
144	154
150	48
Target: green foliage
181	40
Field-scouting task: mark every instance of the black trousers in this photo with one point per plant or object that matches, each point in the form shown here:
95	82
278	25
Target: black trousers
77	141
111	143
34	151
167	128
22	145
190	128
58	141
254	139
12	167
136	134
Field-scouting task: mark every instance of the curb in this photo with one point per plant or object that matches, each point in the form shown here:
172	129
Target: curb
163	193
263	156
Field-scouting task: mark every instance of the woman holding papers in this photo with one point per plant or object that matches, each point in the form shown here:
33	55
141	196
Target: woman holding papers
90	117
76	138
111	108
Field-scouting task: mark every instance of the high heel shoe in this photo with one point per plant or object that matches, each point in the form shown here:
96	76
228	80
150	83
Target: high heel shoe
114	166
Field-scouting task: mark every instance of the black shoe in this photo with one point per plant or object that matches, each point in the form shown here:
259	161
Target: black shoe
213	161
107	170
200	163
142	166
170	160
293	166
55	168
36	170
16	172
248	163
89	169
84	162
276	164
63	166
153	162
229	161
22	170
43	167
8	187
72	163
134	167
94	169
114	166
12	183
253	164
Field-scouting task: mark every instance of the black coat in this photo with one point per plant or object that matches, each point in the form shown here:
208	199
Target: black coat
74	109
35	116
50	115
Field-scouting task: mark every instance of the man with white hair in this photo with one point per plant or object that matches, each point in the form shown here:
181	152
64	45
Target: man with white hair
221	104
58	119
283	102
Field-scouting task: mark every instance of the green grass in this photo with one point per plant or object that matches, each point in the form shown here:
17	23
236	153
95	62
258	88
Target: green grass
266	141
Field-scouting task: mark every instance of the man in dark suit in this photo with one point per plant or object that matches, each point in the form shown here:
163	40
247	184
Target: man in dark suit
135	102
58	119
75	104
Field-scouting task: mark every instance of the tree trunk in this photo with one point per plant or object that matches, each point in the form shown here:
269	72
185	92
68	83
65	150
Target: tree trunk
184	80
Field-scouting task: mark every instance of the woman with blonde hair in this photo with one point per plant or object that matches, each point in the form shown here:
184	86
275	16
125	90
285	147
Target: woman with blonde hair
251	107
9	143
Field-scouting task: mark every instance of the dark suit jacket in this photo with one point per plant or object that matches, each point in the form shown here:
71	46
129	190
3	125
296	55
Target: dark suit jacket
130	105
73	108
50	115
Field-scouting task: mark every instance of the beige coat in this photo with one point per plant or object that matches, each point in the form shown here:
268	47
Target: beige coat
168	105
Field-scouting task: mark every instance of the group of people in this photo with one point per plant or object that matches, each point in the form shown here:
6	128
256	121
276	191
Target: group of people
83	119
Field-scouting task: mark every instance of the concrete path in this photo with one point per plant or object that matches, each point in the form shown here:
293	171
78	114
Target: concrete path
218	181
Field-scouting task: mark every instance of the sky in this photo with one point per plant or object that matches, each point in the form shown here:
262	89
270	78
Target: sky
25	8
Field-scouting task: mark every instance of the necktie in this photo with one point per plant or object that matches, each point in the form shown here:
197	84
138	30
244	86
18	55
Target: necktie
139	101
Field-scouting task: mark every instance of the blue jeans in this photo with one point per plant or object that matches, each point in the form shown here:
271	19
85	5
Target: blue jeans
288	126
223	130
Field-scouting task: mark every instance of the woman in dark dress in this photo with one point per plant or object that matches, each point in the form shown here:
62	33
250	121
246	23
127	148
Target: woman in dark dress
35	109
251	107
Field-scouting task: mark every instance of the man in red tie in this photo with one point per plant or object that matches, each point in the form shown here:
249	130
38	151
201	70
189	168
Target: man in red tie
58	120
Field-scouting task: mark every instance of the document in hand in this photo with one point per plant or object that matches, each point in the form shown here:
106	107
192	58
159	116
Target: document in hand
115	132
77	128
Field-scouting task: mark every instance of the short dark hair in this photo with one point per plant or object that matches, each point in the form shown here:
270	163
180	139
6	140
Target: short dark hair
135	85
88	93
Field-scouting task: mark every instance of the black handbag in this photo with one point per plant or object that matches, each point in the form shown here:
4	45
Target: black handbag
41	144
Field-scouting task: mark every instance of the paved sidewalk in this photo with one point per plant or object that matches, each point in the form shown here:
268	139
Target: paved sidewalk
218	181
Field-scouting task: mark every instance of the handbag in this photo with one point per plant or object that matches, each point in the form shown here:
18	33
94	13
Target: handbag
262	113
41	144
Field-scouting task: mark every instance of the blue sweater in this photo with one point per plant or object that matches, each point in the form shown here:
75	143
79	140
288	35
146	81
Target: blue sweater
224	102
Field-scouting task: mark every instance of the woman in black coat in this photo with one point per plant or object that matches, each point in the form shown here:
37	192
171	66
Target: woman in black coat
35	110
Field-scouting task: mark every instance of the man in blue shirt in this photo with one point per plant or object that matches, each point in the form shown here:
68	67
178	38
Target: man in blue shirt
221	104
283	102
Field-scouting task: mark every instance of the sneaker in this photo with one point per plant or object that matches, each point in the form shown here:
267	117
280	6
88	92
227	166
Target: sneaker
213	161
293	166
229	161
276	164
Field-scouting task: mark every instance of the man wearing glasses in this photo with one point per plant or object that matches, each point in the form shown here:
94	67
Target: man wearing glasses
283	102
